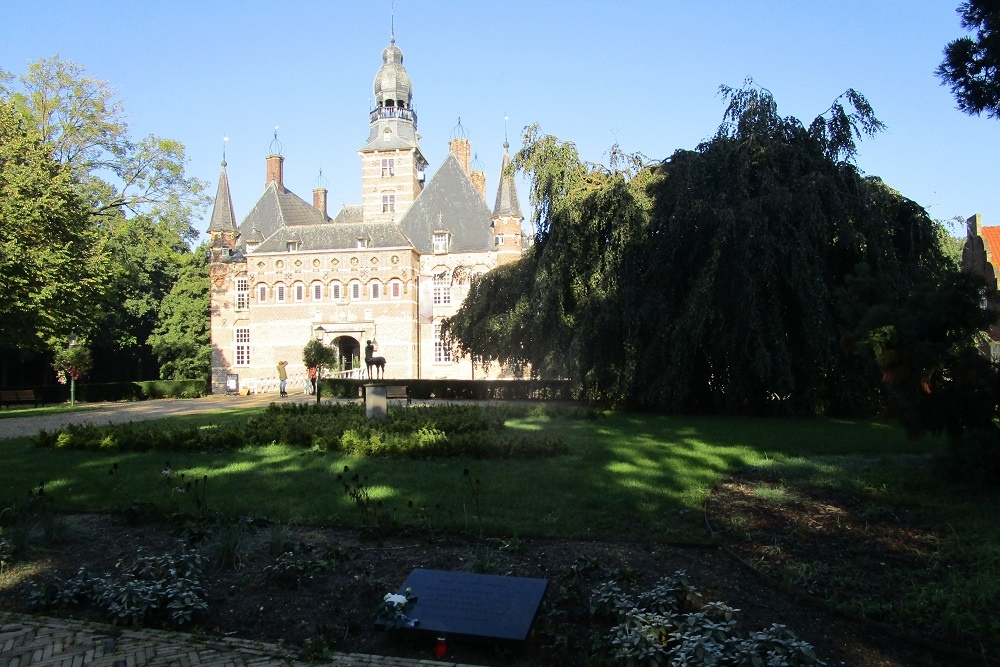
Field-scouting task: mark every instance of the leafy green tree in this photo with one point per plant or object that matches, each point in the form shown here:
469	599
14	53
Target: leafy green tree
971	64
135	192
710	281
181	340
80	117
52	260
317	355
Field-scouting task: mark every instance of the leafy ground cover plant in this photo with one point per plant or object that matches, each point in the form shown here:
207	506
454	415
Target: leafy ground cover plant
142	589
670	625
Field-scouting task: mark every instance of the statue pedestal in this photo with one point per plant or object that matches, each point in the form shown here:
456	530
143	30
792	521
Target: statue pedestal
375	401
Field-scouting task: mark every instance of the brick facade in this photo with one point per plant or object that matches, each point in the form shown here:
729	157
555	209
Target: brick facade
288	273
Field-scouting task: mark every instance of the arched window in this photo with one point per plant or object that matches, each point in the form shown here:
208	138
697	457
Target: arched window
336	292
317	291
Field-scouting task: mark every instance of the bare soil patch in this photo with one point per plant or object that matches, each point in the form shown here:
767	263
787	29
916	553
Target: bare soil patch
335	608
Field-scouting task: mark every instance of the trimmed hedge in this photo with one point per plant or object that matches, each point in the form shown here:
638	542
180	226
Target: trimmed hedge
123	391
476	390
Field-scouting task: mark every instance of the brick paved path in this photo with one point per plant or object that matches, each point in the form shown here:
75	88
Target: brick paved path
30	641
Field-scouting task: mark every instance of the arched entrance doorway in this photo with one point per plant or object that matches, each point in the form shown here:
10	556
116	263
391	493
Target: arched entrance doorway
348	354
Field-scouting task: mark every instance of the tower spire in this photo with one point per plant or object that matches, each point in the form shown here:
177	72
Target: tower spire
223	219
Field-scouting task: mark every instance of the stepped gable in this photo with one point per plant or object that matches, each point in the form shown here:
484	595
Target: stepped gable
450	203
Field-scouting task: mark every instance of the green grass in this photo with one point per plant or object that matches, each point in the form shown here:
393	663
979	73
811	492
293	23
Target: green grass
627	476
952	574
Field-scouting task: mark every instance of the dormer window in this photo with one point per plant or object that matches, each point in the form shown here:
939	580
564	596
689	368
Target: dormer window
440	242
387	135
292	246
363	241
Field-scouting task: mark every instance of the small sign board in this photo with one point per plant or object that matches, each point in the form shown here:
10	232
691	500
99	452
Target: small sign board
477	605
232	383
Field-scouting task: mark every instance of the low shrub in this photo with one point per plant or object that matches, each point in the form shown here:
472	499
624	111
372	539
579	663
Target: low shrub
437	432
145	589
669	625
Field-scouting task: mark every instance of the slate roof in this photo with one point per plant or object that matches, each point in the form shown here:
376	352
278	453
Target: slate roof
404	136
277	208
450	202
507	204
223	218
280	216
350	213
334	236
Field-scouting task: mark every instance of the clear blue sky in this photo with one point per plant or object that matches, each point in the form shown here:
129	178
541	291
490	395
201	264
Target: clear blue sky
642	74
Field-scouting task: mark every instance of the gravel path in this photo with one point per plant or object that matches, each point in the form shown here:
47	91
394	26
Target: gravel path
107	413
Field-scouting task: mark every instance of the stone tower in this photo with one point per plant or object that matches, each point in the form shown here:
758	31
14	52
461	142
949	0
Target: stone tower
508	238
392	166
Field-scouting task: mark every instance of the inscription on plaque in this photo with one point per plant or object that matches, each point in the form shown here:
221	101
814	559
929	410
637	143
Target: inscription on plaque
478	605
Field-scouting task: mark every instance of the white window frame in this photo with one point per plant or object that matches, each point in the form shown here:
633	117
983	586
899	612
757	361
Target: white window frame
440	241
375	290
242	294
442	288
317	291
336	291
388	202
442	347
279	293
388	167
261	293
241	346
299	292
396	289
355	290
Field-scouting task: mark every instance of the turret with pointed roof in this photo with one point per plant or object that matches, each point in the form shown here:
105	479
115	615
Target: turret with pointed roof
222	228
507	235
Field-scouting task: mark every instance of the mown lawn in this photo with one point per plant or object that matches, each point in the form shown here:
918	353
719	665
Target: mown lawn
626	476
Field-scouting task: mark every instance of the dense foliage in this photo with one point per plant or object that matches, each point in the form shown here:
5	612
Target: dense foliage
712	281
971	64
98	243
181	340
52	260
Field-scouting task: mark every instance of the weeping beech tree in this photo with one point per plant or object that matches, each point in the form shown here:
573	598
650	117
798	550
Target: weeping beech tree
717	280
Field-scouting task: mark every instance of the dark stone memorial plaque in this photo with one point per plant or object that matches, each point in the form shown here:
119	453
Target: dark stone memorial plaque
478	605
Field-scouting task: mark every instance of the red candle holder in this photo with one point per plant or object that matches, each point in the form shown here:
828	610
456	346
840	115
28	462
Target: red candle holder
441	647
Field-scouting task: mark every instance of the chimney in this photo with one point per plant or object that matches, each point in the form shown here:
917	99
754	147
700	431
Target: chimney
461	149
319	201
276	171
478	178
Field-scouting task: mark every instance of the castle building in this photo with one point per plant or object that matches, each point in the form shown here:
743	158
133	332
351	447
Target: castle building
980	256
388	270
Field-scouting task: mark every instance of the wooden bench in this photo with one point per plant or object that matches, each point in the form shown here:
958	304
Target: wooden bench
15	396
398	392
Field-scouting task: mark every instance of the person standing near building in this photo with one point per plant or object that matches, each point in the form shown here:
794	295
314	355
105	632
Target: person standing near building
312	378
282	376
